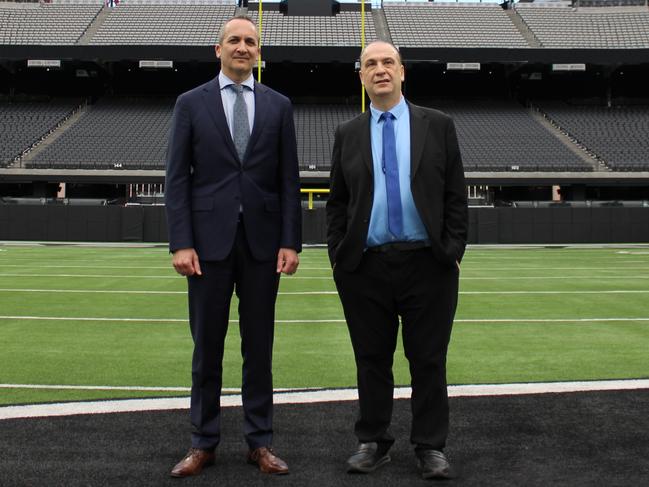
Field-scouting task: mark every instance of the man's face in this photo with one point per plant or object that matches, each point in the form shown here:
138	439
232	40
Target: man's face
239	50
381	71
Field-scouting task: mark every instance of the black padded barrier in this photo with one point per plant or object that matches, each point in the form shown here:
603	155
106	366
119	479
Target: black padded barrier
553	225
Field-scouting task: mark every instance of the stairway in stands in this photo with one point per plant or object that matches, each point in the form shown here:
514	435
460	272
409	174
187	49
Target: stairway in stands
570	142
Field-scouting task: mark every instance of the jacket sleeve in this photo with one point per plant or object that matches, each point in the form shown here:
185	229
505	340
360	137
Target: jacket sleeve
178	178
338	200
456	216
289	177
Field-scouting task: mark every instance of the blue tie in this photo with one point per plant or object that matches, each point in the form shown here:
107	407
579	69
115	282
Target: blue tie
391	170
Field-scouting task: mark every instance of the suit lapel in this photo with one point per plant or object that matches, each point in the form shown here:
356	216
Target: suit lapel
261	112
365	141
418	130
214	106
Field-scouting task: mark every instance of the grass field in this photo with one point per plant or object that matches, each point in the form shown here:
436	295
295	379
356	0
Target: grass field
96	317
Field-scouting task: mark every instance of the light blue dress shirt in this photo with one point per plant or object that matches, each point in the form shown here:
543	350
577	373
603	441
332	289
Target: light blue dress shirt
413	228
229	96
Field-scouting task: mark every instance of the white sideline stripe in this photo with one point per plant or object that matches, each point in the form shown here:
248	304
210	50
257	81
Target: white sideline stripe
184	320
311	293
309	397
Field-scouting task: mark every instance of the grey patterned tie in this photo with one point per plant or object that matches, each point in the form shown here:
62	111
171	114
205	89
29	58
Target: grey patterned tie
240	125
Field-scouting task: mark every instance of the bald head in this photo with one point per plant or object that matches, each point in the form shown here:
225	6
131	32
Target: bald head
382	74
371	44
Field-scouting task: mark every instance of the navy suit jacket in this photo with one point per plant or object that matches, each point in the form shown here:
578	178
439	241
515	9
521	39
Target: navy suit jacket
436	181
207	184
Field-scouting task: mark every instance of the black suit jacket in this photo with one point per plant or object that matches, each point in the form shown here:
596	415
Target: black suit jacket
206	183
437	185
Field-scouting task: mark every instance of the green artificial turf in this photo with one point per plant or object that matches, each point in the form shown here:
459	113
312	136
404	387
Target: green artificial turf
142	339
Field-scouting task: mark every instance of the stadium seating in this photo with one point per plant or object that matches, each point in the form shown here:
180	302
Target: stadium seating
113	134
504	136
315	126
22	124
45	24
451	25
617	135
163	23
342	29
564	28
494	136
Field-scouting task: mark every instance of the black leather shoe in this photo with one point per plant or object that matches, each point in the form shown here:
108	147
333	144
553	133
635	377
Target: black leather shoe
434	465
367	458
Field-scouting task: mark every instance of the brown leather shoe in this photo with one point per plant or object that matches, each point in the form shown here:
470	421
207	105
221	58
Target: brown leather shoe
193	463
267	461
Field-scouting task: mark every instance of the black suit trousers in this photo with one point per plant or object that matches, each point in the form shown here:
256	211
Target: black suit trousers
255	284
414	286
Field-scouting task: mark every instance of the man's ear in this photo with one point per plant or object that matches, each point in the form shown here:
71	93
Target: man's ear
217	50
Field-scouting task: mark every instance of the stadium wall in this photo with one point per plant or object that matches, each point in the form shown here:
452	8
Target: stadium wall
487	225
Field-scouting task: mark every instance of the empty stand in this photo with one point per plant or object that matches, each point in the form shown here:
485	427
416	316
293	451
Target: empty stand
451	25
23	124
504	136
34	23
163	23
113	134
315	126
617	135
608	27
119	133
343	29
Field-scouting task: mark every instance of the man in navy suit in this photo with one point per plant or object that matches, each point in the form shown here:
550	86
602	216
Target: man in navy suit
234	219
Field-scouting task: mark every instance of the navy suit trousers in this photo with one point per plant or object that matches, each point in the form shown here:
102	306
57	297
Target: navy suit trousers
255	284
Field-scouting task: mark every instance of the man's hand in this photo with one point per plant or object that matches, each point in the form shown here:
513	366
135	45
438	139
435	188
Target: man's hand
185	261
287	261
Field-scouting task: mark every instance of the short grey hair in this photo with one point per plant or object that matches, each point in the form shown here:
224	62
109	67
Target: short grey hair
236	17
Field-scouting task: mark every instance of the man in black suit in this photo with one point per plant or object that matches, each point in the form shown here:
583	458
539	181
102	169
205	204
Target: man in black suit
233	212
396	233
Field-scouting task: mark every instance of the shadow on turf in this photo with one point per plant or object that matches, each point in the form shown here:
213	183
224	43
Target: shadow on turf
549	439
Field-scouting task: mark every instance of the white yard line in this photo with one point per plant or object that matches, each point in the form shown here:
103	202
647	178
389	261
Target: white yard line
126	388
312	396
101	388
308	293
329	278
99	276
84	266
184	320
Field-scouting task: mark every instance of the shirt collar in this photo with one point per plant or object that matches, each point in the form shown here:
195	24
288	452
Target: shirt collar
397	110
224	82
